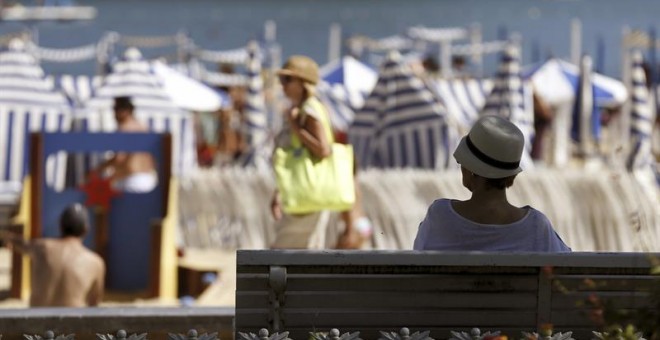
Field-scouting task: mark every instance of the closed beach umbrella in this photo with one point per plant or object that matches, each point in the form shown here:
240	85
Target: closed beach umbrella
28	103
401	124
642	118
585	129
255	114
134	77
507	100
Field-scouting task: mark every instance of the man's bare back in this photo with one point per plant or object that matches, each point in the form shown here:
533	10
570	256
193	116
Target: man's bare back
132	163
65	273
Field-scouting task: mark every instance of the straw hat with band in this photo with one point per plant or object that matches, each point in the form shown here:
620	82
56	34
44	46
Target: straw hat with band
302	67
492	149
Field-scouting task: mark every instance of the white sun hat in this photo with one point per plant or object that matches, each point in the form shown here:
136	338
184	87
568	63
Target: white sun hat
492	148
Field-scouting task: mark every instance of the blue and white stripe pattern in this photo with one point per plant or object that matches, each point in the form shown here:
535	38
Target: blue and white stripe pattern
345	85
642	119
401	124
134	77
255	113
77	88
336	98
464	98
507	100
28	103
585	129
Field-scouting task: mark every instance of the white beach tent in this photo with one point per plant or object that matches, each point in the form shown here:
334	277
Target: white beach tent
188	93
556	81
28	103
134	77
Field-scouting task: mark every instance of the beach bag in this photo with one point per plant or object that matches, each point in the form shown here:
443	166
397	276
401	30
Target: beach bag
308	184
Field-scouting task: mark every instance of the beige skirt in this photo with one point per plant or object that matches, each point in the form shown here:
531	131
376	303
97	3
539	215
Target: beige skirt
302	231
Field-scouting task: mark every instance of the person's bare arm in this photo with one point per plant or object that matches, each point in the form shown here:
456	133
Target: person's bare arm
17	242
311	135
95	295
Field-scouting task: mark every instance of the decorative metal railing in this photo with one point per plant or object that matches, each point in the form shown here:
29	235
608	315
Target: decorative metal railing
335	334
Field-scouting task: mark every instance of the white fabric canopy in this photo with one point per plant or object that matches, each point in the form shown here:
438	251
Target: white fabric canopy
187	93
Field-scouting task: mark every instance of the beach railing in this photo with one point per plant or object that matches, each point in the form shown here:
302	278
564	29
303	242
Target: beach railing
335	334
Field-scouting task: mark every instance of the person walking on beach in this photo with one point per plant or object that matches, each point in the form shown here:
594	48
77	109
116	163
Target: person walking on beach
308	125
489	157
129	172
64	272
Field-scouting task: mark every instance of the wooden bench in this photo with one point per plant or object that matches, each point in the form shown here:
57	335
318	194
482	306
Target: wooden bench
370	291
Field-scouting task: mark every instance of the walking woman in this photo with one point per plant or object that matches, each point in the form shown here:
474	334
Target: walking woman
308	126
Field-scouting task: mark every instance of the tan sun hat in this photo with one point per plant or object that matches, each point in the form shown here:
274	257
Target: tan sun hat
302	67
492	149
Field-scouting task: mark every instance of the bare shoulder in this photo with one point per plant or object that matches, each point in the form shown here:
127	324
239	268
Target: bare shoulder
133	126
93	259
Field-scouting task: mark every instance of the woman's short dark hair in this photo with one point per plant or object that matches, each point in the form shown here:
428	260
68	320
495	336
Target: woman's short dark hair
500	183
74	221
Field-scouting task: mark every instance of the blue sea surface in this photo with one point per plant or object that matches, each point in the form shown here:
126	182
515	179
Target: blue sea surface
303	25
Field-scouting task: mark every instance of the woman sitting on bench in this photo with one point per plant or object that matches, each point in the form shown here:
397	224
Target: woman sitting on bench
490	160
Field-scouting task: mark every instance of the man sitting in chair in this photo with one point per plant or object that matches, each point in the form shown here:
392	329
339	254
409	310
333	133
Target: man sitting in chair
129	172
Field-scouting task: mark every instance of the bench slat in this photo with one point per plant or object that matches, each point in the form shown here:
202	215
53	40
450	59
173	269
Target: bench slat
409	317
605	283
367	300
419	283
580	300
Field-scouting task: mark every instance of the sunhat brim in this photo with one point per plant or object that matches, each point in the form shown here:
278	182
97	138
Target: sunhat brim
470	161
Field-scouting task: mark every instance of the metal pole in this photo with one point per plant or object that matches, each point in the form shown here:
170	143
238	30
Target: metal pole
334	42
477	55
653	67
576	40
625	77
445	59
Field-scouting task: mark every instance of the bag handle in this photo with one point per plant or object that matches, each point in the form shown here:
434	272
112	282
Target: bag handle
324	118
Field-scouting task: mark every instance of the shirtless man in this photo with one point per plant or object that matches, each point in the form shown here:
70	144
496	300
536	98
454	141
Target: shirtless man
130	172
64	272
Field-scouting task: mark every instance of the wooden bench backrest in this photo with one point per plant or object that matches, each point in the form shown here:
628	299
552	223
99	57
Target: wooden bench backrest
302	291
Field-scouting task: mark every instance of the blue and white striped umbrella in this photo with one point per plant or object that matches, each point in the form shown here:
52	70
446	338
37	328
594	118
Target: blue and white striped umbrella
507	99
464	98
585	129
28	103
642	119
402	124
258	139
134	77
337	99
77	88
345	85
